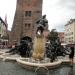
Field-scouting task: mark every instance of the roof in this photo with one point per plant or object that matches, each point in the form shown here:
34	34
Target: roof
3	21
70	22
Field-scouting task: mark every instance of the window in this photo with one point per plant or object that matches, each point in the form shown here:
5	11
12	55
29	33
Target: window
38	11
28	13
0	35
27	25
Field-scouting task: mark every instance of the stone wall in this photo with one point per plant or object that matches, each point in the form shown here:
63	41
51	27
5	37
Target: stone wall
24	24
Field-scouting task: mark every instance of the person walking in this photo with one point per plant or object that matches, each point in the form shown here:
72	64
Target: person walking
71	55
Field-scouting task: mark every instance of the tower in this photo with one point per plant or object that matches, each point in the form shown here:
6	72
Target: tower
6	22
24	25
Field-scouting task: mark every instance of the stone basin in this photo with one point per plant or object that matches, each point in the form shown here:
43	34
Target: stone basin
31	64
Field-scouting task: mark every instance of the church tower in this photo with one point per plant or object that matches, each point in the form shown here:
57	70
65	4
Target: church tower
26	15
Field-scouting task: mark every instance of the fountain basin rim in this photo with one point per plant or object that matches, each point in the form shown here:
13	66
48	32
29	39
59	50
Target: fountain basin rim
20	61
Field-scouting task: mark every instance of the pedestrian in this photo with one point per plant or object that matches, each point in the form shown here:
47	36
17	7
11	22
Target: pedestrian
71	55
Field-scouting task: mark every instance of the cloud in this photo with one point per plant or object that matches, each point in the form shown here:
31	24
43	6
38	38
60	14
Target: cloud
59	12
60	28
8	8
68	4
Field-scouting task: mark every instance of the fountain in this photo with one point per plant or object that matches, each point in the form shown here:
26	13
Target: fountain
38	58
43	55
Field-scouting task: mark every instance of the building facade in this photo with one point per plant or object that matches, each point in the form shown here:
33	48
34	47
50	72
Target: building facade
61	37
70	32
26	15
3	31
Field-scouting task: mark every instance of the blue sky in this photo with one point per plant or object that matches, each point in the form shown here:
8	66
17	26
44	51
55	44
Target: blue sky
58	12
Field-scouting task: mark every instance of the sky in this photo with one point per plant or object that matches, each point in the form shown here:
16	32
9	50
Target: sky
58	12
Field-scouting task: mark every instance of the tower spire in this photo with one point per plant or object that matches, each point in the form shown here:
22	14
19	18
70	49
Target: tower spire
6	21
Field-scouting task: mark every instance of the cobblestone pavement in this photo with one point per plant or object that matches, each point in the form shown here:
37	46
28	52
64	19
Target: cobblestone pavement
12	68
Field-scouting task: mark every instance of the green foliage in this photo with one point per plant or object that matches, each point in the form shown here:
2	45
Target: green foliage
54	48
53	35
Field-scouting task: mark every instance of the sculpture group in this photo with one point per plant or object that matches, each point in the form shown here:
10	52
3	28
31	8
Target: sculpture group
39	48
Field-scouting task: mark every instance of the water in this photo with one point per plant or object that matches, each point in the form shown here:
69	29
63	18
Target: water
39	48
12	68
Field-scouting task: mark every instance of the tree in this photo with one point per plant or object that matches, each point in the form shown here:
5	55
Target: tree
53	36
